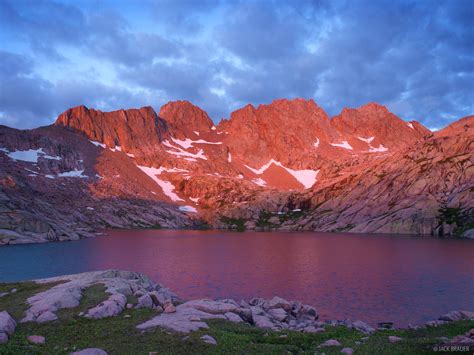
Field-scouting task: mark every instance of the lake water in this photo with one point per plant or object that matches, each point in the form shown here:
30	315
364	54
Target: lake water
372	278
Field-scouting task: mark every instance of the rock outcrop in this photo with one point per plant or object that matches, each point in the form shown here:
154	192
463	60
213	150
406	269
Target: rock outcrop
7	327
68	293
177	315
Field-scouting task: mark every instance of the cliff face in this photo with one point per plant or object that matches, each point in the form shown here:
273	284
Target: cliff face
285	165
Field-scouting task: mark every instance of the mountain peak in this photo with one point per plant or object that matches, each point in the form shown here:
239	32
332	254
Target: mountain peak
375	121
185	118
115	128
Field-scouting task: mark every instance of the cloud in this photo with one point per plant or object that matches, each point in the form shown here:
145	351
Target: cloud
415	57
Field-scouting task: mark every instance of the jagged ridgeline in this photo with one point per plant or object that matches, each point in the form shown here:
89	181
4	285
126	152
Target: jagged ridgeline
282	166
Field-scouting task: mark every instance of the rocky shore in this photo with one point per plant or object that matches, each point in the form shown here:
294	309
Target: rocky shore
125	292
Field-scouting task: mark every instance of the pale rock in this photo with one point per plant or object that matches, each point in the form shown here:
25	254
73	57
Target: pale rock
229	300
159	299
278	302
363	327
90	351
113	306
278	313
186	319
245	313
394	339
308	311
233	317
145	301
347	351
256	311
68	293
7	323
170	308
451	316
262	321
46	317
330	342
36	339
209	340
467	315
461	339
3	338
313	329
257	302
213	307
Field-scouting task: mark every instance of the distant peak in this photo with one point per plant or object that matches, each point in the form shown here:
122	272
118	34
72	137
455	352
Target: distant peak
373	106
185	116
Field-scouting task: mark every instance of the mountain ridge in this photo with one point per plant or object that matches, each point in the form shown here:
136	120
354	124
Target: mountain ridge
250	171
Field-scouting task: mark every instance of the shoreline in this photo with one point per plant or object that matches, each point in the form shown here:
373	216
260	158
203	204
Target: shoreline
114	275
101	297
29	240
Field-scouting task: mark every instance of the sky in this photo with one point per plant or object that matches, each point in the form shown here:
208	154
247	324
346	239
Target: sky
416	57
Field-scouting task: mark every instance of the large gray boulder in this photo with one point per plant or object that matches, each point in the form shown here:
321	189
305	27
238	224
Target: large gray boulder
7	326
113	306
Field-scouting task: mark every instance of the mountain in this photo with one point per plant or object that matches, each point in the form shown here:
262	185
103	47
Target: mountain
285	166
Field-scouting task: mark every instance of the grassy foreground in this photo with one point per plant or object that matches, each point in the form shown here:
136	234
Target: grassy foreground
118	335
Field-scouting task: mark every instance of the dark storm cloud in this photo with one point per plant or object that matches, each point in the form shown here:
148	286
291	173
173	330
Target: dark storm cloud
181	16
415	57
26	98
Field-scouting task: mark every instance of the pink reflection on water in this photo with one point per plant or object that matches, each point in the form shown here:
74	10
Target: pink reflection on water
405	280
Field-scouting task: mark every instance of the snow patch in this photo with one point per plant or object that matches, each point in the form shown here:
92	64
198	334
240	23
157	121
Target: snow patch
131	155
372	149
381	148
213	128
73	173
196	133
198	155
316	144
367	140
97	144
305	177
166	186
183	153
410	125
31	171
240	176
344	145
195	200
229	157
188	143
260	182
117	148
30	155
187	209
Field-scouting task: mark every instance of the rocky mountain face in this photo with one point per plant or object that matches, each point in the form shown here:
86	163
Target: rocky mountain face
282	166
